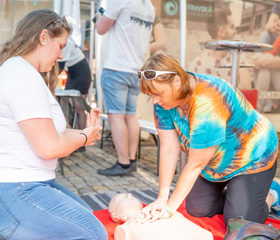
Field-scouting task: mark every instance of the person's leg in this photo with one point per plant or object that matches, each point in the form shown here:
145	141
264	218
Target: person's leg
267	37
79	78
81	116
115	87
262	83
131	119
35	210
247	194
70	194
133	135
206	199
120	136
276	86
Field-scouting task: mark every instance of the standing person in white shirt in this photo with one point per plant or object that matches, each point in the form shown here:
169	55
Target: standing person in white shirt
129	23
34	134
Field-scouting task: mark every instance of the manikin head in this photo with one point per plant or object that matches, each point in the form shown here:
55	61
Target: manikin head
122	206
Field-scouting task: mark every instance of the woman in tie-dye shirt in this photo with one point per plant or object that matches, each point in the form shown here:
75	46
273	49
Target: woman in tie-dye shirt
228	143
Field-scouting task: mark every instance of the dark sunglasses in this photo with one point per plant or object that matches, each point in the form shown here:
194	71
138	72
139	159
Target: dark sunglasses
152	74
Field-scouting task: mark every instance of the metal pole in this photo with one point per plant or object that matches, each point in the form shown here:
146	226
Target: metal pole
91	48
183	30
99	61
234	69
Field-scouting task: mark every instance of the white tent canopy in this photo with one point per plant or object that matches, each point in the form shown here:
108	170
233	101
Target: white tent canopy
71	10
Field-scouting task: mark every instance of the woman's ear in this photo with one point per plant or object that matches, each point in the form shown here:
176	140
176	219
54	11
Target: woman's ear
177	82
43	37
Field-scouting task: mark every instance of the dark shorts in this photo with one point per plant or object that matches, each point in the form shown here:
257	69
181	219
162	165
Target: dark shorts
79	77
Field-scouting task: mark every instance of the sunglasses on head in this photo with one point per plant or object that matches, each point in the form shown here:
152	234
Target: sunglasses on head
152	74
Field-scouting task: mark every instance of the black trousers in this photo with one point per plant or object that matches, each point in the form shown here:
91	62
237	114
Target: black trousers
244	196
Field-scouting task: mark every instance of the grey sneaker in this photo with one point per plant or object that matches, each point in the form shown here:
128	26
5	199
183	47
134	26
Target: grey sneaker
115	170
133	166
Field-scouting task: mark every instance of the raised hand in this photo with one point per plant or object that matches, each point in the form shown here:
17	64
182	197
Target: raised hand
93	126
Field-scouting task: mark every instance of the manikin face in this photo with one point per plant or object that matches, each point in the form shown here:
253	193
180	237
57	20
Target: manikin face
122	206
51	51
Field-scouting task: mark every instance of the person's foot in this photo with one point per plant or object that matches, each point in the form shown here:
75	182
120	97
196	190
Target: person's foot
116	170
275	191
133	165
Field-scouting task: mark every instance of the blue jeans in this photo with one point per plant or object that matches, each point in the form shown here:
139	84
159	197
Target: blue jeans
120	91
45	210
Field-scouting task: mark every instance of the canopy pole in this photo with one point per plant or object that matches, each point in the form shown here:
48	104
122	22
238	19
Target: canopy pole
91	48
183	30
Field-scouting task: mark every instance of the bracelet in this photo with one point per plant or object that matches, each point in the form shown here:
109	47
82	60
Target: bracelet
168	210
85	136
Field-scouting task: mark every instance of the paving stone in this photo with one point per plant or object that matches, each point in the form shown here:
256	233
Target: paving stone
98	188
80	171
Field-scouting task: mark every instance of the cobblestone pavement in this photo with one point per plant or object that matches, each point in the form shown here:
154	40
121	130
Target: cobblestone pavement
80	170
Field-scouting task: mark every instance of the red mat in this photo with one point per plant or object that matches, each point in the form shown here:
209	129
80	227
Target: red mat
214	224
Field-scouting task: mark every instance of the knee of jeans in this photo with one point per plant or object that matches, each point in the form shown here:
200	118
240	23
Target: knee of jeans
8	223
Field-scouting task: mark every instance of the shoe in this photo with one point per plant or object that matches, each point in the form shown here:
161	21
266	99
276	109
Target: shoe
115	170
275	185
133	166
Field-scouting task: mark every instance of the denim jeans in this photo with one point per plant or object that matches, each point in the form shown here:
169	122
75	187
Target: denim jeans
45	211
120	91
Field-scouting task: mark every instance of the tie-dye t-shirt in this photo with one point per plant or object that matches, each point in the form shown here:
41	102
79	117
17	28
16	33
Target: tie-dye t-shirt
219	114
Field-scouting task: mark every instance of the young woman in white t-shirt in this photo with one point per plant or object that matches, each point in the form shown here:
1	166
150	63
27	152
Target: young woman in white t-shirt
34	134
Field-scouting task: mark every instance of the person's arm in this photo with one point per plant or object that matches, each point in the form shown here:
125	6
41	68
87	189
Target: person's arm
266	61
103	24
276	47
197	161
159	38
273	24
48	144
169	152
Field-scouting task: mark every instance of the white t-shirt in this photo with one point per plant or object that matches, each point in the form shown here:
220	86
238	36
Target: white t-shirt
72	54
24	95
129	37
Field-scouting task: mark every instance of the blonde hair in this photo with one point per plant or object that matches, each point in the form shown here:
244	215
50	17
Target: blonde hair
27	35
163	62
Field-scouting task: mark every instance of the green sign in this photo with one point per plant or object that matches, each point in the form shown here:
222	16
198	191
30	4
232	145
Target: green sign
200	11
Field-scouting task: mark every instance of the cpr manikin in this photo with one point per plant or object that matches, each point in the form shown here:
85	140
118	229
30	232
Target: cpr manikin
124	208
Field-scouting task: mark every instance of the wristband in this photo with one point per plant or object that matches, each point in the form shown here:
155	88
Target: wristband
85	136
168	210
